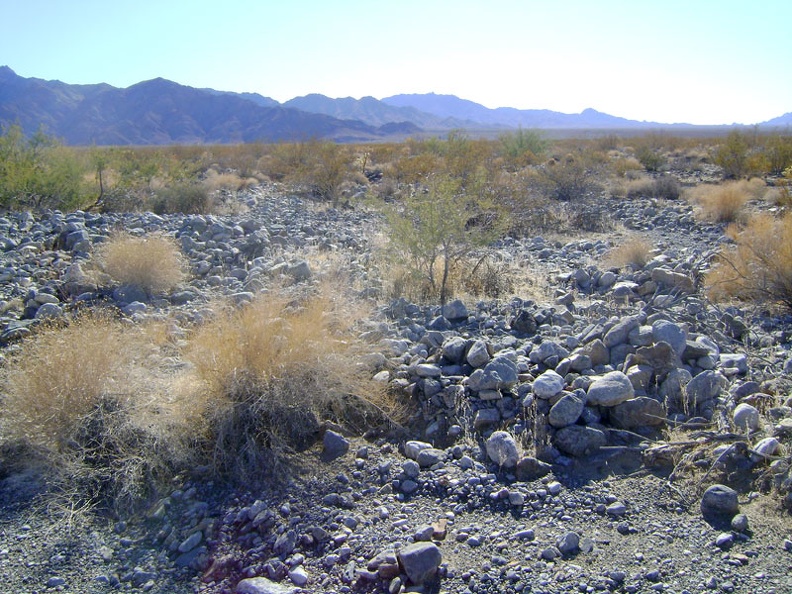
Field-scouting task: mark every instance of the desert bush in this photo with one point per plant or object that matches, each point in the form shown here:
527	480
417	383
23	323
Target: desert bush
732	155
152	263
721	203
522	147
185	198
634	252
271	372
572	177
438	228
651	158
758	267
80	395
665	187
38	172
777	151
624	166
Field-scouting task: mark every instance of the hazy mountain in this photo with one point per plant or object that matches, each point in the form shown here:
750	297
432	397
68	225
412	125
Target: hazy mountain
451	106
158	112
374	112
254	97
783	121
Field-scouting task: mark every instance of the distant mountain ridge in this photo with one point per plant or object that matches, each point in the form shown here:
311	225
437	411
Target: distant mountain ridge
160	111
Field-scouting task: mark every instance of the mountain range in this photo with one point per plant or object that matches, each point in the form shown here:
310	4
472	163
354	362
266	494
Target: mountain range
160	112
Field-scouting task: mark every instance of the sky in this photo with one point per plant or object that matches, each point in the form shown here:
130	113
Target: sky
667	61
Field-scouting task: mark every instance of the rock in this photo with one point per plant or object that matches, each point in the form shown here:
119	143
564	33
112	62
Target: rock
704	387
661	357
486	417
566	411
734	363
609	390
739	523
674	335
299	271
335	445
618	333
420	561
568	543
413	448
298	576
530	469
499	374
429	457
746	417
502	449
579	441
454	349
260	585
637	412
548	384
455	311
719	501
478	355
673	280
597	352
764	449
524	323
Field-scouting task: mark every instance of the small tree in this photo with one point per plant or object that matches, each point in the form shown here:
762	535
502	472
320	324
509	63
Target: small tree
438	227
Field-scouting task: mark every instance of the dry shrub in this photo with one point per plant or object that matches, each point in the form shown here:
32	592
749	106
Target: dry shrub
152	263
271	372
224	181
185	198
758	266
634	252
721	203
82	396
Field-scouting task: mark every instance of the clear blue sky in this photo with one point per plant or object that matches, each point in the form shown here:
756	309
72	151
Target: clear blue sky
696	61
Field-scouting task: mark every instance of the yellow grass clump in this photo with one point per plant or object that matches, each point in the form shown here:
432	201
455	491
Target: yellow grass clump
152	263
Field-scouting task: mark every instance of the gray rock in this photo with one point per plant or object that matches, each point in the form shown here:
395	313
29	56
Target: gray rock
454	349
455	310
665	331
704	387
530	469
568	543
486	417
566	411
746	417
661	357
413	448
478	355
429	457
638	412
769	446
597	352
524	323
610	389
673	280
739	523
420	561
618	334
299	271
737	362
548	384
579	441
260	585
502	449
719	500
335	445
499	374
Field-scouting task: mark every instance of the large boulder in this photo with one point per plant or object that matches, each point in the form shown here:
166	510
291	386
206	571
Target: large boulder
566	411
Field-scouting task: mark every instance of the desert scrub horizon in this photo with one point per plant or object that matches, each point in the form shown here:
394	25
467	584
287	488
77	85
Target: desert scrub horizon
154	263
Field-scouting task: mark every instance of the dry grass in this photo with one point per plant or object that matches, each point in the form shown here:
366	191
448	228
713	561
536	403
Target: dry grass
723	203
634	252
271	372
153	263
758	266
83	396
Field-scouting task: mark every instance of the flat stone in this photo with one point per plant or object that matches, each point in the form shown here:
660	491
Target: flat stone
260	585
530	469
578	441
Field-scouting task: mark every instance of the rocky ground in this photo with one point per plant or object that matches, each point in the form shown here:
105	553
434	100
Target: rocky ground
619	433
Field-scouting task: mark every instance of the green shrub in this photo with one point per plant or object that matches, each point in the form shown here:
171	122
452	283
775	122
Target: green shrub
651	158
189	198
732	155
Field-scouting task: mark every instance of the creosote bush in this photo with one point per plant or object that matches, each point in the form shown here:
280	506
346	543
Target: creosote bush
152	263
758	267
